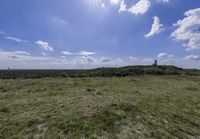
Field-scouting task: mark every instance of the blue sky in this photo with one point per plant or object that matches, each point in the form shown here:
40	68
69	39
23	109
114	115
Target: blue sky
49	34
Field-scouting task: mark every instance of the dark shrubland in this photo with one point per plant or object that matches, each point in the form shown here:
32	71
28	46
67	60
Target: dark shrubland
99	72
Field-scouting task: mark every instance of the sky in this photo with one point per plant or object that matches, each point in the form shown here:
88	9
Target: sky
84	34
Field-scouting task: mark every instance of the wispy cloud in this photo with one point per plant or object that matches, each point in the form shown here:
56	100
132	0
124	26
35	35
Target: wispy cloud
86	58
58	20
2	33
66	53
86	53
18	40
164	56
22	53
133	59
164	1
79	53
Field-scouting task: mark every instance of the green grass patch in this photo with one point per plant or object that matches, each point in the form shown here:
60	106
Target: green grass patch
119	107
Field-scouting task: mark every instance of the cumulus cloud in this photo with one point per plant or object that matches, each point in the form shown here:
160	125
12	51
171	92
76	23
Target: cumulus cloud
115	1
122	6
141	7
156	28
44	45
192	57
188	29
164	56
15	39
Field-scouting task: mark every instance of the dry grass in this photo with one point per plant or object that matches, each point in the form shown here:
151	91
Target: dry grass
130	107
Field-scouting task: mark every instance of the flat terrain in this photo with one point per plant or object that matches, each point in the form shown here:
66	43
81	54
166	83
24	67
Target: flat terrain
128	107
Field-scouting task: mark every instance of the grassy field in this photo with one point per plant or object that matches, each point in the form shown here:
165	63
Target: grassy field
139	107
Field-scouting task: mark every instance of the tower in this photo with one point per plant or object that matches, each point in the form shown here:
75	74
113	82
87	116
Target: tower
155	63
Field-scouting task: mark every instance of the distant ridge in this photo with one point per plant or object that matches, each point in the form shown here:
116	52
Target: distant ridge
99	72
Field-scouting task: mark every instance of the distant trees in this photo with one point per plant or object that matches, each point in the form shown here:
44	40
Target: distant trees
100	72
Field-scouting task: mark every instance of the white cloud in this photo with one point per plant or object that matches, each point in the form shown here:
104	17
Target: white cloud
15	39
14	57
122	6
87	58
104	59
22	53
66	53
163	1
14	54
141	7
24	60
147	61
63	57
79	53
164	56
115	1
192	57
156	27
103	5
188	29
86	53
58	20
44	45
133	59
44	54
